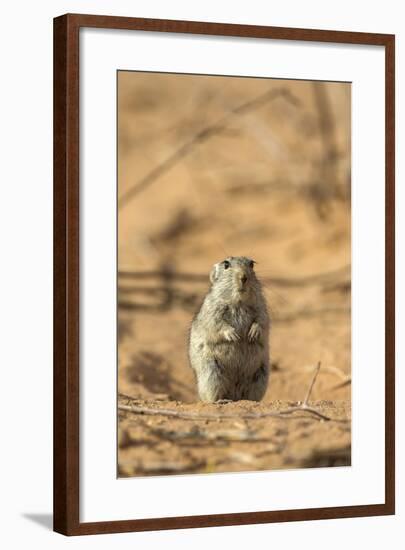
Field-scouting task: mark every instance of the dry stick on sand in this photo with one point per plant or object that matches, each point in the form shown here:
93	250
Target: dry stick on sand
202	136
343	384
315	279
302	407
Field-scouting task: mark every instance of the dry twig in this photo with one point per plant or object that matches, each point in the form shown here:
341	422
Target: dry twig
342	384
202	136
308	280
189	415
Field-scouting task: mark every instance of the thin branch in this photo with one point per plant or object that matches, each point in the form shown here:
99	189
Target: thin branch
226	416
309	280
343	384
346	379
311	386
154	396
333	370
188	415
202	136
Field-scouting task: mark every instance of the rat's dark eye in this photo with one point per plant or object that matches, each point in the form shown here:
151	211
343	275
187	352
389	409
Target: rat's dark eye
227	264
252	264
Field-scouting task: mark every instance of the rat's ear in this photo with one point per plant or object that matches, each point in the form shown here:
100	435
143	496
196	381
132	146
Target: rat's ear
214	273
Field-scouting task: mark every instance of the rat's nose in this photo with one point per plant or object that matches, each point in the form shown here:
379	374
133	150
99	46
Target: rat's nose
243	279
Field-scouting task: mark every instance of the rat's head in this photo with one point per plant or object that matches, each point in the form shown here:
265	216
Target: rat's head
234	279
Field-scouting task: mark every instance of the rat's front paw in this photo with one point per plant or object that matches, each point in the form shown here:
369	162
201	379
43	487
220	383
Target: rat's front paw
231	335
254	333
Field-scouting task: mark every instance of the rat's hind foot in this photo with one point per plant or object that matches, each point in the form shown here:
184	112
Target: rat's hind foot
223	401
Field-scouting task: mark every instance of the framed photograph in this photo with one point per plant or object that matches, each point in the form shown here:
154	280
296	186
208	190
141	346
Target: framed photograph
223	274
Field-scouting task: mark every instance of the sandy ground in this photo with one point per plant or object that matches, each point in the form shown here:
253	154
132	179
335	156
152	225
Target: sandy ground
211	167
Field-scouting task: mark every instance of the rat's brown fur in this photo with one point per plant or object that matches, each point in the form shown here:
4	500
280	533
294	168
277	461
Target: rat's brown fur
229	337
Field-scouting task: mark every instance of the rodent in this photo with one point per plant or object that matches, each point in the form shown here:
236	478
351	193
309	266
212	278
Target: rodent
229	335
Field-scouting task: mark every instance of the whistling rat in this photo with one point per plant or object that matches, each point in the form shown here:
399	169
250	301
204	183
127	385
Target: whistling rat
229	337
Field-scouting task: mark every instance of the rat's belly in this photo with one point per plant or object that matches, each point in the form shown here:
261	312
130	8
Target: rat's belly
241	356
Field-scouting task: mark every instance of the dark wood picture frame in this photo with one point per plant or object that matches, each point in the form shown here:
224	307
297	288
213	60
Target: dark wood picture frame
66	273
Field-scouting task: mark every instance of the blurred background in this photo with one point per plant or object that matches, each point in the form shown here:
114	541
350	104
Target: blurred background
210	167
